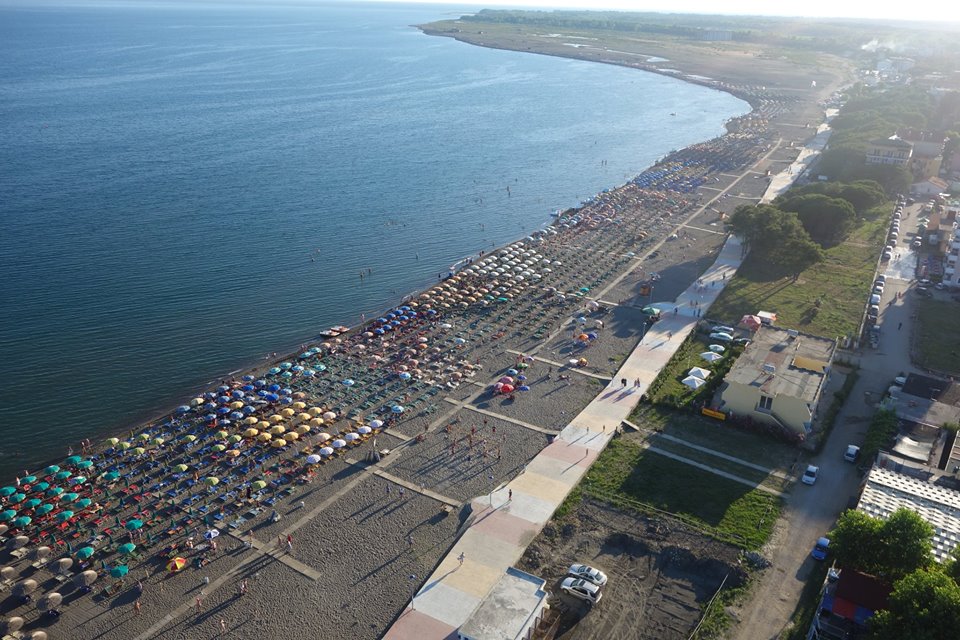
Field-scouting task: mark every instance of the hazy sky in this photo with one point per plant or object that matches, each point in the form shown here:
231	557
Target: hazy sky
948	11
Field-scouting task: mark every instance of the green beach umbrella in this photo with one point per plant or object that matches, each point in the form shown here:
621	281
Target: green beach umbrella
222	434
111	475
7	491
84	464
189	437
157	441
218	447
119	571
72	460
78	480
259	484
69	497
54	491
63	516
127	549
9	514
125	445
32	503
144	436
17	497
112	441
41	486
211	481
133	525
22	521
84	503
181	467
234	438
51	469
139	450
44	509
85	552
29	479
62	475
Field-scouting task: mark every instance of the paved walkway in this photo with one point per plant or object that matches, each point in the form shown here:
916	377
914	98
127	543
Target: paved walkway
502	527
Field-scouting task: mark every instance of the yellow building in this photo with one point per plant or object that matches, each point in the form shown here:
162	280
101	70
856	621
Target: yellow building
779	378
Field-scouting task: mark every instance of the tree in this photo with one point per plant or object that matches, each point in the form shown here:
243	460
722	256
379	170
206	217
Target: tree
855	541
775	236
924	605
952	567
827	220
891	548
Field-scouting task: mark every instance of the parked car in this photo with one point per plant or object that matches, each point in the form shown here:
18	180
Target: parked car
810	475
873	310
820	549
887	255
852	453
741	341
924	292
723	329
917	244
582	589
588	573
878	289
874	299
721	337
881	279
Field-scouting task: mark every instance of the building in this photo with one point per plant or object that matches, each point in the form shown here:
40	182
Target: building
779	378
930	187
890	150
848	600
510	611
885	491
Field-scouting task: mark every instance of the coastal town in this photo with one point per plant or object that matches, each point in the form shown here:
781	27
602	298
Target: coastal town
694	406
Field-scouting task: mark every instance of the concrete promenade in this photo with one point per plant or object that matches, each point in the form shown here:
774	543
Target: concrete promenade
501	528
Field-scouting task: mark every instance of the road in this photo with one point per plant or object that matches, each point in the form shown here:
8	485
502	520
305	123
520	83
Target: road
811	511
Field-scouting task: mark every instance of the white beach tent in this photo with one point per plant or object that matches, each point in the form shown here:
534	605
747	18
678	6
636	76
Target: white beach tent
699	372
693	382
710	356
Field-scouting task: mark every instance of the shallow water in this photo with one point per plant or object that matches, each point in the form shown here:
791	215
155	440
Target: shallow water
188	187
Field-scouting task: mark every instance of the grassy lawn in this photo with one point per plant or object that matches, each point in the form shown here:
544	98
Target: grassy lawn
841	281
716	435
668	386
938	342
625	473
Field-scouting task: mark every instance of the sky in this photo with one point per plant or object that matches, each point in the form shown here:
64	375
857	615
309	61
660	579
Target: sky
925	10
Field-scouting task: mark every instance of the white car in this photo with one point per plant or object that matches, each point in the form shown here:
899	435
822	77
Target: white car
852	453
810	475
721	337
580	588
588	573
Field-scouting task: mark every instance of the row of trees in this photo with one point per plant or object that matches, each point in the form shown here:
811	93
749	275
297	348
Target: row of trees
791	232
925	602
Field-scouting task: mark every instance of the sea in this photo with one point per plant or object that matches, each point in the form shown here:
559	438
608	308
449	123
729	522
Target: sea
186	187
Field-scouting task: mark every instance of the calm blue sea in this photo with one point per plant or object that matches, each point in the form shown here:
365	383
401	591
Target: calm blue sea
185	187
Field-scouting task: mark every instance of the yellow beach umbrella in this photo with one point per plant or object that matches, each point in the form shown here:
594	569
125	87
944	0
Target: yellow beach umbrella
303	429
144	436
139	450
125	445
275	418
316	422
299	406
315	411
264	437
288	412
233	453
291	436
303	417
323	437
211	481
181	468
263	424
222	434
236	405
189	437
112	441
251	432
277	429
279	442
250	420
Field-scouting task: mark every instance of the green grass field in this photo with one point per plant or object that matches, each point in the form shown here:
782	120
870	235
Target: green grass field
938	342
668	383
841	282
625	474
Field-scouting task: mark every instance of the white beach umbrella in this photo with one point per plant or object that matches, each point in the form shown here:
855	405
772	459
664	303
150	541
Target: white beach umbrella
694	382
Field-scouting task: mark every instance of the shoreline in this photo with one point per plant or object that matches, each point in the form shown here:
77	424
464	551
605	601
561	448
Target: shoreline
258	368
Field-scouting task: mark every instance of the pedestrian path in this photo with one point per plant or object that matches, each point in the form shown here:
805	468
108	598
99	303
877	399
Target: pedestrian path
504	522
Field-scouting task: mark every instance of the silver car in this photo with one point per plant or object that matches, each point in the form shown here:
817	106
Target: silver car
586	572
580	588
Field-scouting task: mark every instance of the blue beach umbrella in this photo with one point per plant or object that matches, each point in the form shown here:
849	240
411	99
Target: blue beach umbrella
17	497
72	460
7	491
85	552
127	549
84	464
29	479
274	371
44	509
32	503
133	525
41	486
22	521
9	514
248	378
69	497
119	571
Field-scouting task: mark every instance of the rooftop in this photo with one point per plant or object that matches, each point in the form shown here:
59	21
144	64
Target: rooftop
892	141
885	491
796	364
509	608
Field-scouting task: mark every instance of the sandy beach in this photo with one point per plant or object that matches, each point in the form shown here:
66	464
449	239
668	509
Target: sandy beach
413	396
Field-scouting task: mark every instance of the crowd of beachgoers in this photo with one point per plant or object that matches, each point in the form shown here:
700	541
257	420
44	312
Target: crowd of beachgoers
342	469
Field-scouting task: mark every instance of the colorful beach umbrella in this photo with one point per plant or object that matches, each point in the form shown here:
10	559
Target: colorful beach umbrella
63	516
112	441
258	484
176	564
125	445
22	521
17	497
78	480
85	552
7	491
139	450
54	491
28	479
9	514
218	447
41	486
